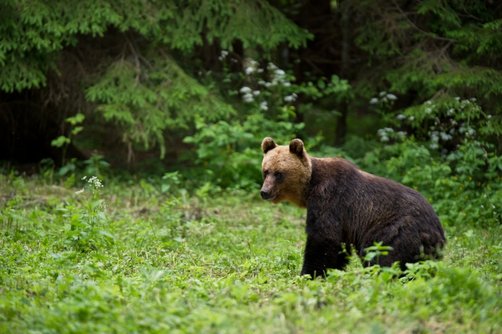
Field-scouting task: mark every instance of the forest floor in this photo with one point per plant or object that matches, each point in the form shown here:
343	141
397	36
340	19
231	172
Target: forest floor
127	258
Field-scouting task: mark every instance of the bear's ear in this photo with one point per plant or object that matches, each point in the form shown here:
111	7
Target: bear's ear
296	147
267	144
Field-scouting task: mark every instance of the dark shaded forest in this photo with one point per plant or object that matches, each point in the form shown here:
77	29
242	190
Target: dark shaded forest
153	86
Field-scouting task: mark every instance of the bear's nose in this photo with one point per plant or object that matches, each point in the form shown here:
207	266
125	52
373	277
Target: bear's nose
264	194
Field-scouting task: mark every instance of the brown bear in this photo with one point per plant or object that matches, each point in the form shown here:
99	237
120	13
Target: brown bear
349	208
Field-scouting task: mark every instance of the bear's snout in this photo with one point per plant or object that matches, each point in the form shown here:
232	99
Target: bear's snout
265	194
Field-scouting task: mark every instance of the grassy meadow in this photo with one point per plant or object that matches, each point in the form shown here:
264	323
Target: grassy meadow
125	257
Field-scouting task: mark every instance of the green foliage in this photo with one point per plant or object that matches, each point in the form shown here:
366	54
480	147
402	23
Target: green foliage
336	87
430	48
229	151
85	225
131	257
375	251
143	90
63	141
146	103
444	148
35	31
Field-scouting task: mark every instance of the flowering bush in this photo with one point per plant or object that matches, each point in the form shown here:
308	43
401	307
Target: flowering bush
443	149
229	150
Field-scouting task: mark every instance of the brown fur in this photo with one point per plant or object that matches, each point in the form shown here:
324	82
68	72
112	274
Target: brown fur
347	206
294	163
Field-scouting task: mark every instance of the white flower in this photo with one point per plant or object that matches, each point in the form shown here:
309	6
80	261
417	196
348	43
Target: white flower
384	134
264	106
251	66
401	117
392	97
223	54
445	136
271	66
245	90
256	92
279	73
249	70
94	182
248	97
290	98
374	100
383	93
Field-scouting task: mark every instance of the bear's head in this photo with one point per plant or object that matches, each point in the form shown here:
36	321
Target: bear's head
286	171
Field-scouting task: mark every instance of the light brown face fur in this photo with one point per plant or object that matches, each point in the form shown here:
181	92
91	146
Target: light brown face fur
286	171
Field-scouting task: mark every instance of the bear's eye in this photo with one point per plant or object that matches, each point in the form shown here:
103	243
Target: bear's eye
279	176
265	173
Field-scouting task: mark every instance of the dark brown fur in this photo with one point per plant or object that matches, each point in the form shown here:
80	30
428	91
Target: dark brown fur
348	207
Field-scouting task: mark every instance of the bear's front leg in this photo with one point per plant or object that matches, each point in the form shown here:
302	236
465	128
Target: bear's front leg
322	254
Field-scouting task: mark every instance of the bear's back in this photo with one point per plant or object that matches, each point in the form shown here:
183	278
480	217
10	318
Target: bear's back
366	208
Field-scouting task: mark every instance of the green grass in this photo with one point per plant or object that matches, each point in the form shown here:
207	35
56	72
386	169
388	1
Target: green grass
129	259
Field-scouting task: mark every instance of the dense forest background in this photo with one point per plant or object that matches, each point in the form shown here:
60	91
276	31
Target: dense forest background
409	90
168	85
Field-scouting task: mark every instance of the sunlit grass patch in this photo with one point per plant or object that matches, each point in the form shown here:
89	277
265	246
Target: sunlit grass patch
127	258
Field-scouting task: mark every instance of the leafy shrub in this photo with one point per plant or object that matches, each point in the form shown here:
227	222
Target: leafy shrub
86	223
445	149
229	151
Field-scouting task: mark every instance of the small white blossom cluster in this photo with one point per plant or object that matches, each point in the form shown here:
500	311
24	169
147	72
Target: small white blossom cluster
447	126
264	105
386	134
403	117
444	131
223	55
436	136
248	94
467	130
93	181
383	97
290	98
276	78
251	66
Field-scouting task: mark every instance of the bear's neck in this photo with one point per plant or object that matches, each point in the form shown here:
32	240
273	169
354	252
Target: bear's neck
328	178
299	200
